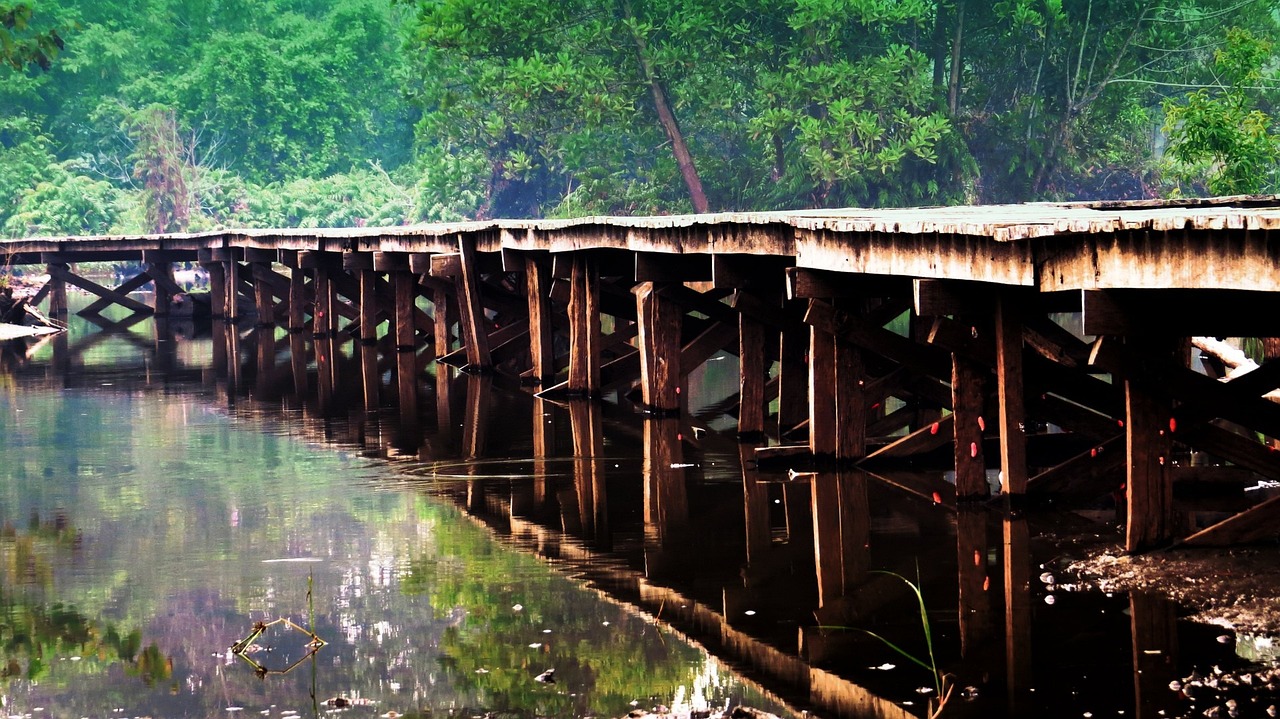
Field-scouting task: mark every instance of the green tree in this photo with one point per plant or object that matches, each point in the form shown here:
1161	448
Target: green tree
1221	140
21	44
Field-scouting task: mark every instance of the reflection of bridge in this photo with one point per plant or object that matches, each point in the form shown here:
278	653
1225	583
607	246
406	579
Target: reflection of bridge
751	568
895	333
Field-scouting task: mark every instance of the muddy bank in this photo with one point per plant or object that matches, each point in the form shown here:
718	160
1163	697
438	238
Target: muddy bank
1238	589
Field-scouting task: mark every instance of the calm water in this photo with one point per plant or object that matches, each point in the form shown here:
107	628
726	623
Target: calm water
157	501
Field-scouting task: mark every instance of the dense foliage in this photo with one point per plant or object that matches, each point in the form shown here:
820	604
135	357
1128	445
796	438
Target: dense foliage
168	115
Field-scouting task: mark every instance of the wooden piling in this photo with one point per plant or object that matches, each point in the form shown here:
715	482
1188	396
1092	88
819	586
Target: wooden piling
231	292
474	326
660	322
752	374
968	398
822	401
1149	484
1013	438
793	380
542	359
57	289
584	328
850	403
368	307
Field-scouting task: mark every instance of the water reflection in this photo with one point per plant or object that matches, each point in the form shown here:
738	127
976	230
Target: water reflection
843	592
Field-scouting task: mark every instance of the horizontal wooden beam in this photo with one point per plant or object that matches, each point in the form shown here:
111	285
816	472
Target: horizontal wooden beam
656	267
821	284
1180	312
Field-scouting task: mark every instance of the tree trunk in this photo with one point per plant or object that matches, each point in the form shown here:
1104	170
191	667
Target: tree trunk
684	159
953	87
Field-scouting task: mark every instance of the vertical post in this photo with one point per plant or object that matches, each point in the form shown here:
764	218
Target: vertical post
368	307
162	279
406	295
475	422
297	299
1149	485
584	328
217	288
588	477
751	377
542	358
660	324
445	316
1153	620
261	272
666	504
855	529
473	326
1013	438
57	290
827	543
822	401
231	292
792	380
851	403
755	505
323	322
971	557
968	401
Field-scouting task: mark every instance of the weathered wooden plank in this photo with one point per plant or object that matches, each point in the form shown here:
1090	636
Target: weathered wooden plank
297	300
760	273
541	339
822	401
584	328
656	267
925	439
916	255
792	380
130	285
1097	471
1252	525
752	373
805	283
716	337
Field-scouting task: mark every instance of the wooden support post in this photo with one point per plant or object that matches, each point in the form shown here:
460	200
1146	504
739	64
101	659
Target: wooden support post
855	529
297	299
851	403
660	323
1013	438
752	373
368	307
370	374
324	321
792	380
444	317
474	325
588	474
261	273
666	504
755	505
968	398
1153	620
217	288
57	290
406	342
584	328
230	309
542	358
822	401
162	278
475	422
1149	485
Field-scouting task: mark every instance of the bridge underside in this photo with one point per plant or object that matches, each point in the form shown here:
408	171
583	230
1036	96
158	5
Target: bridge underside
1060	357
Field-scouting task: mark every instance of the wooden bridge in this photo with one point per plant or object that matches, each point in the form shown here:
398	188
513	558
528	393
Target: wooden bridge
863	336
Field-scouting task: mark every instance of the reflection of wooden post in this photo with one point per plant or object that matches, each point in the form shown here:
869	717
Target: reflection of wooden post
265	337
1017	618
827	544
588	478
298	363
756	505
1155	653
666	506
584	328
542	356
855	529
325	371
660	320
752	371
1013	438
476	421
444	405
968	397
975	597
544	446
370	375
218	330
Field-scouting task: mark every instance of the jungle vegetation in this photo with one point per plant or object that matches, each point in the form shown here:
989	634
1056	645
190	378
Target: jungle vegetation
176	115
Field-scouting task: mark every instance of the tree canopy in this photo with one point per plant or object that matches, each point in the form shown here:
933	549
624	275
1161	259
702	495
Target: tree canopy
186	114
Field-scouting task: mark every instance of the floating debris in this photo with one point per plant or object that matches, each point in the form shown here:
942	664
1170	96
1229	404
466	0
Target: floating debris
547	677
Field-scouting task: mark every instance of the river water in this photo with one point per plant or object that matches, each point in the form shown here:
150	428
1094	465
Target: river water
483	553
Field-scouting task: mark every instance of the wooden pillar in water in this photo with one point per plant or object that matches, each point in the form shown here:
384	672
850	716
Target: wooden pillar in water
792	380
822	401
1013	438
445	316
584	328
660	322
297	300
1153	620
260	273
968	395
542	358
1149	485
975	589
231	290
368	307
57	290
828	548
474	326
1017	602
161	272
666	503
404	287
588	473
755	495
217	284
851	403
751	377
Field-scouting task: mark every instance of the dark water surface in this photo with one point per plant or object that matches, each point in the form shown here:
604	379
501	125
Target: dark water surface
158	500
